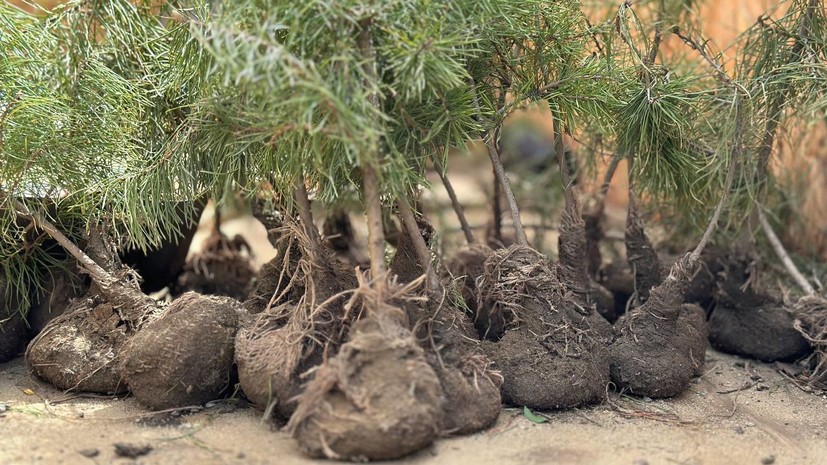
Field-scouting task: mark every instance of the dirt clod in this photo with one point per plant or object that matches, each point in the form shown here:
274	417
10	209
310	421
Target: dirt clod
377	399
551	356
79	349
185	356
131	451
660	345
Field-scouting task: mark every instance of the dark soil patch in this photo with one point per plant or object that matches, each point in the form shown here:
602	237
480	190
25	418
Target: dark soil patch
550	356
13	333
619	280
660	345
470	388
185	356
748	322
161	266
341	238
764	332
377	399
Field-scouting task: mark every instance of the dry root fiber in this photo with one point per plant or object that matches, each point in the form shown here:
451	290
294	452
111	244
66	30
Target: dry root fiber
661	344
292	332
812	323
377	399
185	356
550	356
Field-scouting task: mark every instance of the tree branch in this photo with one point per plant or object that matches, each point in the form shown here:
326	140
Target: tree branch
779	249
463	221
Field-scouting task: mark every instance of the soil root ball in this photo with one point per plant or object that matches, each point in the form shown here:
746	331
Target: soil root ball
660	346
376	399
550	356
470	387
185	356
754	325
79	349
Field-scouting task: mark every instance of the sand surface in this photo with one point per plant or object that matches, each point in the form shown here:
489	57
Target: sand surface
739	412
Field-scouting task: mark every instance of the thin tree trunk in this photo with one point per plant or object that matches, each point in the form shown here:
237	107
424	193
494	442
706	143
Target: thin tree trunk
499	171
463	221
306	218
779	249
102	277
422	250
370	179
376	234
496	204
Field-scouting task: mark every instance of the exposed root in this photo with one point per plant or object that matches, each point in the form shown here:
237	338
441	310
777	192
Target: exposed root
812	324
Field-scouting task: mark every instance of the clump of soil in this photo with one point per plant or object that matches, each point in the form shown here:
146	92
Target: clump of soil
747	322
660	345
275	281
550	356
224	267
471	389
185	356
79	349
377	399
292	333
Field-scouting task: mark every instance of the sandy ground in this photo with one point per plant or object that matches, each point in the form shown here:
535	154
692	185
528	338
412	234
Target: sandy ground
769	420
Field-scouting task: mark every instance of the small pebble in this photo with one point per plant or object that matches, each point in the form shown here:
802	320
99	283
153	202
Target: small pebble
131	451
3	408
761	387
756	377
647	399
89	453
739	430
768	460
640	462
